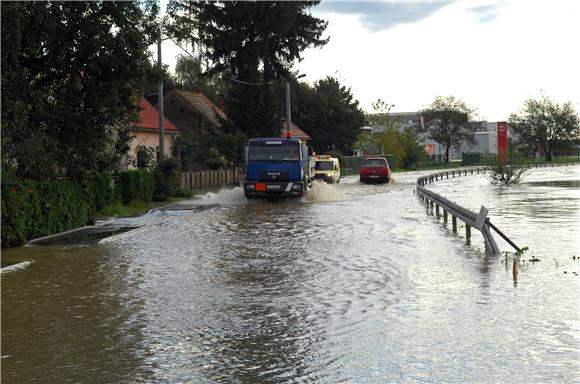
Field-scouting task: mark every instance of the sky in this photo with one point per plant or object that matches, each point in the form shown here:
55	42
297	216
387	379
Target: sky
493	55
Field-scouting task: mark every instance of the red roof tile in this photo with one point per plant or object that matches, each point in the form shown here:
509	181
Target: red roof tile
150	118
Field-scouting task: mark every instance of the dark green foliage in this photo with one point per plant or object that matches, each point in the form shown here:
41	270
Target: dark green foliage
136	186
215	161
543	125
249	42
329	113
165	179
72	73
449	122
143	157
32	209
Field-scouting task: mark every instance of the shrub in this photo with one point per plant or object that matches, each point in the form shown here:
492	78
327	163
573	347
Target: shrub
165	179
136	186
33	209
507	173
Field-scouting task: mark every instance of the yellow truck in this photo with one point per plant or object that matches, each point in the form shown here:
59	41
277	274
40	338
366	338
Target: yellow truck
327	168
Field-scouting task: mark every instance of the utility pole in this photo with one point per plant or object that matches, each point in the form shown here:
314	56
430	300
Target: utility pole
288	118
160	100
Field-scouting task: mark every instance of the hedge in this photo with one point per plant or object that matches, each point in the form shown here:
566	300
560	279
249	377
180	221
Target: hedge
32	209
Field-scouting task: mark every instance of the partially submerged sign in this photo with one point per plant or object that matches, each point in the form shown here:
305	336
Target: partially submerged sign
481	218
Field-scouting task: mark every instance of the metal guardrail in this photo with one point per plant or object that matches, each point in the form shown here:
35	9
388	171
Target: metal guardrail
470	218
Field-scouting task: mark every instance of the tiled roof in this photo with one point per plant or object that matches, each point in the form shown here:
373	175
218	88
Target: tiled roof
150	118
201	103
296	132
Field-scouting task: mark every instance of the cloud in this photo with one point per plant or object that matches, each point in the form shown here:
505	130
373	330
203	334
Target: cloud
486	13
377	16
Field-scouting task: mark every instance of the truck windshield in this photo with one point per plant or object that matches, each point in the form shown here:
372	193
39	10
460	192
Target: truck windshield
323	166
284	152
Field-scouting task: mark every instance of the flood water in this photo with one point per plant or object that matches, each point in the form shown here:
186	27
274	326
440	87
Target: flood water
353	284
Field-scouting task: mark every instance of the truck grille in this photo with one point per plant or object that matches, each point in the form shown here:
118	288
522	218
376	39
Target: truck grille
273	175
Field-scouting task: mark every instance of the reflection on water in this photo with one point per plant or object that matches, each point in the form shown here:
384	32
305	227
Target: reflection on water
353	283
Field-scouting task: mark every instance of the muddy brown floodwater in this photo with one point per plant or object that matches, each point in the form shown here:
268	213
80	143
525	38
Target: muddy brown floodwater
353	284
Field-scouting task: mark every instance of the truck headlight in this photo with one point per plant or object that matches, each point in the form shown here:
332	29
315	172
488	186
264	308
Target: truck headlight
297	187
250	187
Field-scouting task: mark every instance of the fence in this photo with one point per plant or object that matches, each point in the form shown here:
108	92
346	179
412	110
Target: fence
470	218
210	179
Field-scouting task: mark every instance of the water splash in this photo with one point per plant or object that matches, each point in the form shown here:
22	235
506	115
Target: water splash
224	196
321	191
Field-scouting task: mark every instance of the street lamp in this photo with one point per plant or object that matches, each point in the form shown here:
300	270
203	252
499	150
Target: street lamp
288	117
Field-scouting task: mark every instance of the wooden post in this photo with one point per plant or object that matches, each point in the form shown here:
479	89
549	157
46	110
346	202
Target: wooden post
445	216
454	223
467	231
437	210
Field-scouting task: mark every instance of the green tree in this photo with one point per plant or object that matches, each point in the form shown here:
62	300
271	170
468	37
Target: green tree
189	75
72	74
543	124
249	42
449	122
329	113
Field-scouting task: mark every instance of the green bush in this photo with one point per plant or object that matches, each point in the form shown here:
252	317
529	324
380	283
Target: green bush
32	209
165	179
136	186
183	192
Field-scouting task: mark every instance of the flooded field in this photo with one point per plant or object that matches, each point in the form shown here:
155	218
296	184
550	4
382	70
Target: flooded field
354	283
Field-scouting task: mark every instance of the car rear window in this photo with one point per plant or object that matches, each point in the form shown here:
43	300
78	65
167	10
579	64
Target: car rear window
374	163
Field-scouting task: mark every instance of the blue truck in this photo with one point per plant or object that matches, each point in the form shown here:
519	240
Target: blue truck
277	167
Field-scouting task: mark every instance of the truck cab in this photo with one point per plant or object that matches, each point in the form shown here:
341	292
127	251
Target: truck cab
276	167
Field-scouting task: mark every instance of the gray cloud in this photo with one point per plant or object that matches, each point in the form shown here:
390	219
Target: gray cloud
377	16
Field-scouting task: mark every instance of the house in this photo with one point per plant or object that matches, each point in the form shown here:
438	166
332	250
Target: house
294	131
146	134
193	113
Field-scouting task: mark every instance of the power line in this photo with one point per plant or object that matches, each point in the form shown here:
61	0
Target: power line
225	77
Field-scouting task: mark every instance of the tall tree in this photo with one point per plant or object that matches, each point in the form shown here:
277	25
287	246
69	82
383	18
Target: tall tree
249	43
449	123
189	75
72	73
542	124
330	114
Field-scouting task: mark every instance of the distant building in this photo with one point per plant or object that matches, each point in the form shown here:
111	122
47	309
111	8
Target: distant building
485	134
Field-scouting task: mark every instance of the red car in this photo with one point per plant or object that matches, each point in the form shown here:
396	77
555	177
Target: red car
375	169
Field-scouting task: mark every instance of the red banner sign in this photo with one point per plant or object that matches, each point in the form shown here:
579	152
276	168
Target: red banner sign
502	142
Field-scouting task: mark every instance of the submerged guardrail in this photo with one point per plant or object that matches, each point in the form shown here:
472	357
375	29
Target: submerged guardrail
480	221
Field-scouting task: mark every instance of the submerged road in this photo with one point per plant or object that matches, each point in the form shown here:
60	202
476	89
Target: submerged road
354	283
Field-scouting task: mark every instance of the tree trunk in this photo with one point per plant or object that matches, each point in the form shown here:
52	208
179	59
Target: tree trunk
547	151
447	152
